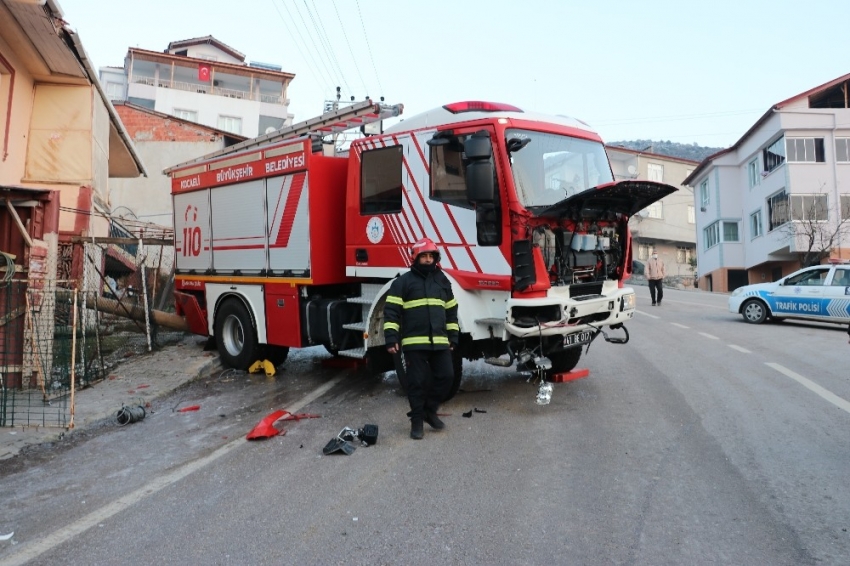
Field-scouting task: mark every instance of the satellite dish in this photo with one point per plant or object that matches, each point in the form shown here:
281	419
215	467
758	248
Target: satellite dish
632	170
270	129
643	213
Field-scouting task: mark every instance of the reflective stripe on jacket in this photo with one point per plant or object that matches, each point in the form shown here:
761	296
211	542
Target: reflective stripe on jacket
421	312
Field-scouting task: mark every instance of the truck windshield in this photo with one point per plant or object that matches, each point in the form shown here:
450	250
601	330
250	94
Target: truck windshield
547	168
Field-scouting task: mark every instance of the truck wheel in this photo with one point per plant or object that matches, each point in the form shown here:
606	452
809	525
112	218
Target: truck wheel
400	372
235	336
564	361
457	366
754	311
276	354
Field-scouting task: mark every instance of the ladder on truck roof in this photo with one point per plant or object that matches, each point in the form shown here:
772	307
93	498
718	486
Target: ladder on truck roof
336	121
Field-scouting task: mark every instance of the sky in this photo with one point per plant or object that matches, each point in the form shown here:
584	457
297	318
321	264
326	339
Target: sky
677	70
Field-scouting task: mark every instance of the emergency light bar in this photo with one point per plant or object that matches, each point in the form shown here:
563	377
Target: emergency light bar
838	261
480	106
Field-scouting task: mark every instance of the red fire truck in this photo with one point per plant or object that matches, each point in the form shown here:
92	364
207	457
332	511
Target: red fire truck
283	242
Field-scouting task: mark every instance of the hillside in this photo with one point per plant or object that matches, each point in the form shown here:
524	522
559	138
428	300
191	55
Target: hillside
672	149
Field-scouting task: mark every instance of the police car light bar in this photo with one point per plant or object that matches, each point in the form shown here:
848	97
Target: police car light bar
838	261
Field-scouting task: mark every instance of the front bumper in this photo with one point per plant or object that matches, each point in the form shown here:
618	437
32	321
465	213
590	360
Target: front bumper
561	315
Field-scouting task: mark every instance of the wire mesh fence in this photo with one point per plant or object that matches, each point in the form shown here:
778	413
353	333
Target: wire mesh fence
61	335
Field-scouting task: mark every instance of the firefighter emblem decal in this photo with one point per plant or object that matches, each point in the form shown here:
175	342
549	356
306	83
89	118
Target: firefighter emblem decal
375	230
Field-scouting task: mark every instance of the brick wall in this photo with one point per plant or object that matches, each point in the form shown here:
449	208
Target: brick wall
145	126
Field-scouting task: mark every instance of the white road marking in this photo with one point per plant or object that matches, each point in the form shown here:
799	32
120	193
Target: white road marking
646	314
710	336
679	325
54	539
813	387
742	350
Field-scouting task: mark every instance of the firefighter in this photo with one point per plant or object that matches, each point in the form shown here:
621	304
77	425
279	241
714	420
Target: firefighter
420	321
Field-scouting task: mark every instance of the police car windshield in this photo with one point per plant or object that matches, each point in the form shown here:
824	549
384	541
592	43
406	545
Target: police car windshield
549	168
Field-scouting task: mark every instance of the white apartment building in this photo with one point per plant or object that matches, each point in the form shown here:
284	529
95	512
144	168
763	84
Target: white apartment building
669	225
786	180
205	81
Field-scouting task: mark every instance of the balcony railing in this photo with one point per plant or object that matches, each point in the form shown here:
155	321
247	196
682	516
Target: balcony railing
208	89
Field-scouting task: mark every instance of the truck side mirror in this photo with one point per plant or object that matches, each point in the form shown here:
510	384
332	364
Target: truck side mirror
480	186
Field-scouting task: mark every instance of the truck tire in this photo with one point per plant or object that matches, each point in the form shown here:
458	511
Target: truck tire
754	311
564	361
276	354
400	372
457	365
235	336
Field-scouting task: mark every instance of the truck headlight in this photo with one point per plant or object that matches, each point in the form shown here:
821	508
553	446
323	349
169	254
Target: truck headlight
629	302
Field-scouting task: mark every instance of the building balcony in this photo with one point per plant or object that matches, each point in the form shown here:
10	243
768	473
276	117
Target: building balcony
205	88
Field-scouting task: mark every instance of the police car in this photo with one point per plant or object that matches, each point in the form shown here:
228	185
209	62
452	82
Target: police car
820	292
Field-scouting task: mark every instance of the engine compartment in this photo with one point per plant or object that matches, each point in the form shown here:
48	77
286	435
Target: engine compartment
580	254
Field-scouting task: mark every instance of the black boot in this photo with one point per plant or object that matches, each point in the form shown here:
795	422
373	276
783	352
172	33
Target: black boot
435	422
416	429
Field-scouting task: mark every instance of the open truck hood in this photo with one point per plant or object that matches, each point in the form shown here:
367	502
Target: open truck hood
621	197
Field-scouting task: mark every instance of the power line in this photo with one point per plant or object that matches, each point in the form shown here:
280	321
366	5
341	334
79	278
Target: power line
350	50
369	47
326	42
675	117
316	47
315	67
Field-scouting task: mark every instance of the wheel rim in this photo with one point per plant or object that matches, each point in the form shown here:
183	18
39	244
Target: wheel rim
753	311
233	335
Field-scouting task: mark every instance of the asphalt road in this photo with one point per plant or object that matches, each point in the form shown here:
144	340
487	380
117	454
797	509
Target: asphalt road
704	440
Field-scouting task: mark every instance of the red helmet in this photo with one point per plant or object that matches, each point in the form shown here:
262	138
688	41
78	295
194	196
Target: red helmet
424	245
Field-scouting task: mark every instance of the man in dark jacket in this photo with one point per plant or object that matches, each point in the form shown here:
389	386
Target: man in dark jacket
420	320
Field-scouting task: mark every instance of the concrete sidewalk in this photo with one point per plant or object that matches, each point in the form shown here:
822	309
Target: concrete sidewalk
137	381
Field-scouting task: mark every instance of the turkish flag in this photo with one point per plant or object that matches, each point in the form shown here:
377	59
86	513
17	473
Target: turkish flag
204	73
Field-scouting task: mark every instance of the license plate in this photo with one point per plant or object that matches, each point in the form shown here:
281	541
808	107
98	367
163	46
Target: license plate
577	338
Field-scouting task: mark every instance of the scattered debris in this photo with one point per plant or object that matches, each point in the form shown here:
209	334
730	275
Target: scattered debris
264	428
468	415
368	435
477	410
7	537
189	408
129	415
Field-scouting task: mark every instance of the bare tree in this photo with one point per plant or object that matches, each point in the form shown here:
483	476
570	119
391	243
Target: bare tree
808	225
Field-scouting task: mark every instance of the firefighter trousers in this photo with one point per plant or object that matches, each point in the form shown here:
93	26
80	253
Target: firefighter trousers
429	378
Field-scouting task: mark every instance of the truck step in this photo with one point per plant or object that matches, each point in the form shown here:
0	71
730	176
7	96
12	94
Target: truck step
353	353
361	326
502	362
490	321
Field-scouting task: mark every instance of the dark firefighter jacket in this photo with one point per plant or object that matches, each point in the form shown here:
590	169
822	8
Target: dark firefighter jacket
422	311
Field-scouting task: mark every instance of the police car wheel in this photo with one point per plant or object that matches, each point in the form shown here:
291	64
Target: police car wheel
754	311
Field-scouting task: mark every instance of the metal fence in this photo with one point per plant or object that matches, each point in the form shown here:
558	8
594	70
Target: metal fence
60	335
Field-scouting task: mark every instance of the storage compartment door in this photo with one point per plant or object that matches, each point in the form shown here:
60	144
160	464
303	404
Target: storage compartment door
192	231
239	227
289	224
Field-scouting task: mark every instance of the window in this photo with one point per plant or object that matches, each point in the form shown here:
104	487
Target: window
805	149
777	210
753	173
684	255
643	251
842	150
380	180
655	172
711	235
774	155
703	193
692	217
845	207
114	91
448	173
755	224
813	277
809	208
655	210
841	277
730	232
190	115
230	124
